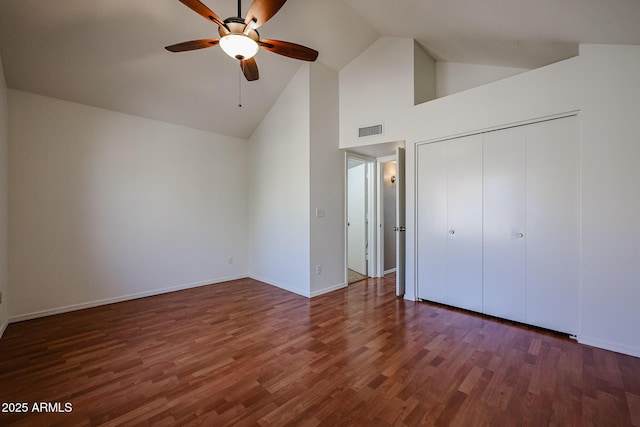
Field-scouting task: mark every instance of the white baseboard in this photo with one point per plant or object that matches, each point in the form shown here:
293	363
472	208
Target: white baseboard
329	289
298	291
608	345
280	285
3	327
96	303
392	270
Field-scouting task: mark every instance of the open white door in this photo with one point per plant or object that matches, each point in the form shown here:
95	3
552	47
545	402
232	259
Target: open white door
400	221
356	219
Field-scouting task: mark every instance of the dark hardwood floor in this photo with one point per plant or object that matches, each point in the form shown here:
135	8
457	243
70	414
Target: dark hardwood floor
245	353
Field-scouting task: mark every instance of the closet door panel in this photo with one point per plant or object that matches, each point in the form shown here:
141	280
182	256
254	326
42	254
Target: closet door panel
464	222
504	285
552	225
432	221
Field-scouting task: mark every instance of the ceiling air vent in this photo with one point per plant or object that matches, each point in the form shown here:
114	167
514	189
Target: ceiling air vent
370	131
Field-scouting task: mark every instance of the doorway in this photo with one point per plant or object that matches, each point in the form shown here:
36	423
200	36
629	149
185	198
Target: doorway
359	203
391	217
387	199
368	197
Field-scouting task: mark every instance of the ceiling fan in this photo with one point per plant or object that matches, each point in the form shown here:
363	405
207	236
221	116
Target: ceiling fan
239	38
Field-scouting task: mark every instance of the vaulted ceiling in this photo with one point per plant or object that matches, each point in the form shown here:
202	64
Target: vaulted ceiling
110	53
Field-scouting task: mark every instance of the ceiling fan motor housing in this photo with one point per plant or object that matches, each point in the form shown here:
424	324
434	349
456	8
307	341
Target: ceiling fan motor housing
237	27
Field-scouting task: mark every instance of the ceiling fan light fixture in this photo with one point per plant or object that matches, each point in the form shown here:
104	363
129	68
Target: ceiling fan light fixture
239	46
239	36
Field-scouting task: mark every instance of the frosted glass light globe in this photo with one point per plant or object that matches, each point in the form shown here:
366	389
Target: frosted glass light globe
239	46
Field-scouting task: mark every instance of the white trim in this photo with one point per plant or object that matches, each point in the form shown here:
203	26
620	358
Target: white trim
502	127
280	285
579	149
296	290
327	290
356	156
380	161
372	220
372	217
415	213
3	327
91	304
391	270
379	228
609	345
346	216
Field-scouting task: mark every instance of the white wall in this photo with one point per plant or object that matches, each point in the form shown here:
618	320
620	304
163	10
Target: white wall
377	87
326	183
610	197
453	77
4	147
535	94
383	84
279	197
105	206
296	167
424	75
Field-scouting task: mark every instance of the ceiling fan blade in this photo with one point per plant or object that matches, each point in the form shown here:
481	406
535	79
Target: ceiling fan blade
192	45
262	10
203	10
289	49
250	69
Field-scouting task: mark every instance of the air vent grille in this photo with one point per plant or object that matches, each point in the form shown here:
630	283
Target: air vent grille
369	131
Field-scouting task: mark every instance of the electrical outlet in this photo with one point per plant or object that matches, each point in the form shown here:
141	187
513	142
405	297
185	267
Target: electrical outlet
318	269
230	260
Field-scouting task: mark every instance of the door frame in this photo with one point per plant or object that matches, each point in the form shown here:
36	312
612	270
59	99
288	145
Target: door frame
371	188
380	161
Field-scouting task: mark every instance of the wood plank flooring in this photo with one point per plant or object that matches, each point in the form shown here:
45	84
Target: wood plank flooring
353	276
245	353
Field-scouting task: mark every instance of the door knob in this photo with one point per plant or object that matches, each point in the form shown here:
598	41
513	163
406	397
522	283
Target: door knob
452	232
519	235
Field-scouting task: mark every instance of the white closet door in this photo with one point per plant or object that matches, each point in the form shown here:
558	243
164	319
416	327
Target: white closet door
504	285
432	221
464	222
552	225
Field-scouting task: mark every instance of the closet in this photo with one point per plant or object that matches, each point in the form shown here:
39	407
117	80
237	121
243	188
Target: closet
450	241
497	223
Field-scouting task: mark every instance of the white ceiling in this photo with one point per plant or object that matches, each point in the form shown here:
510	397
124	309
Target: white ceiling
110	53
